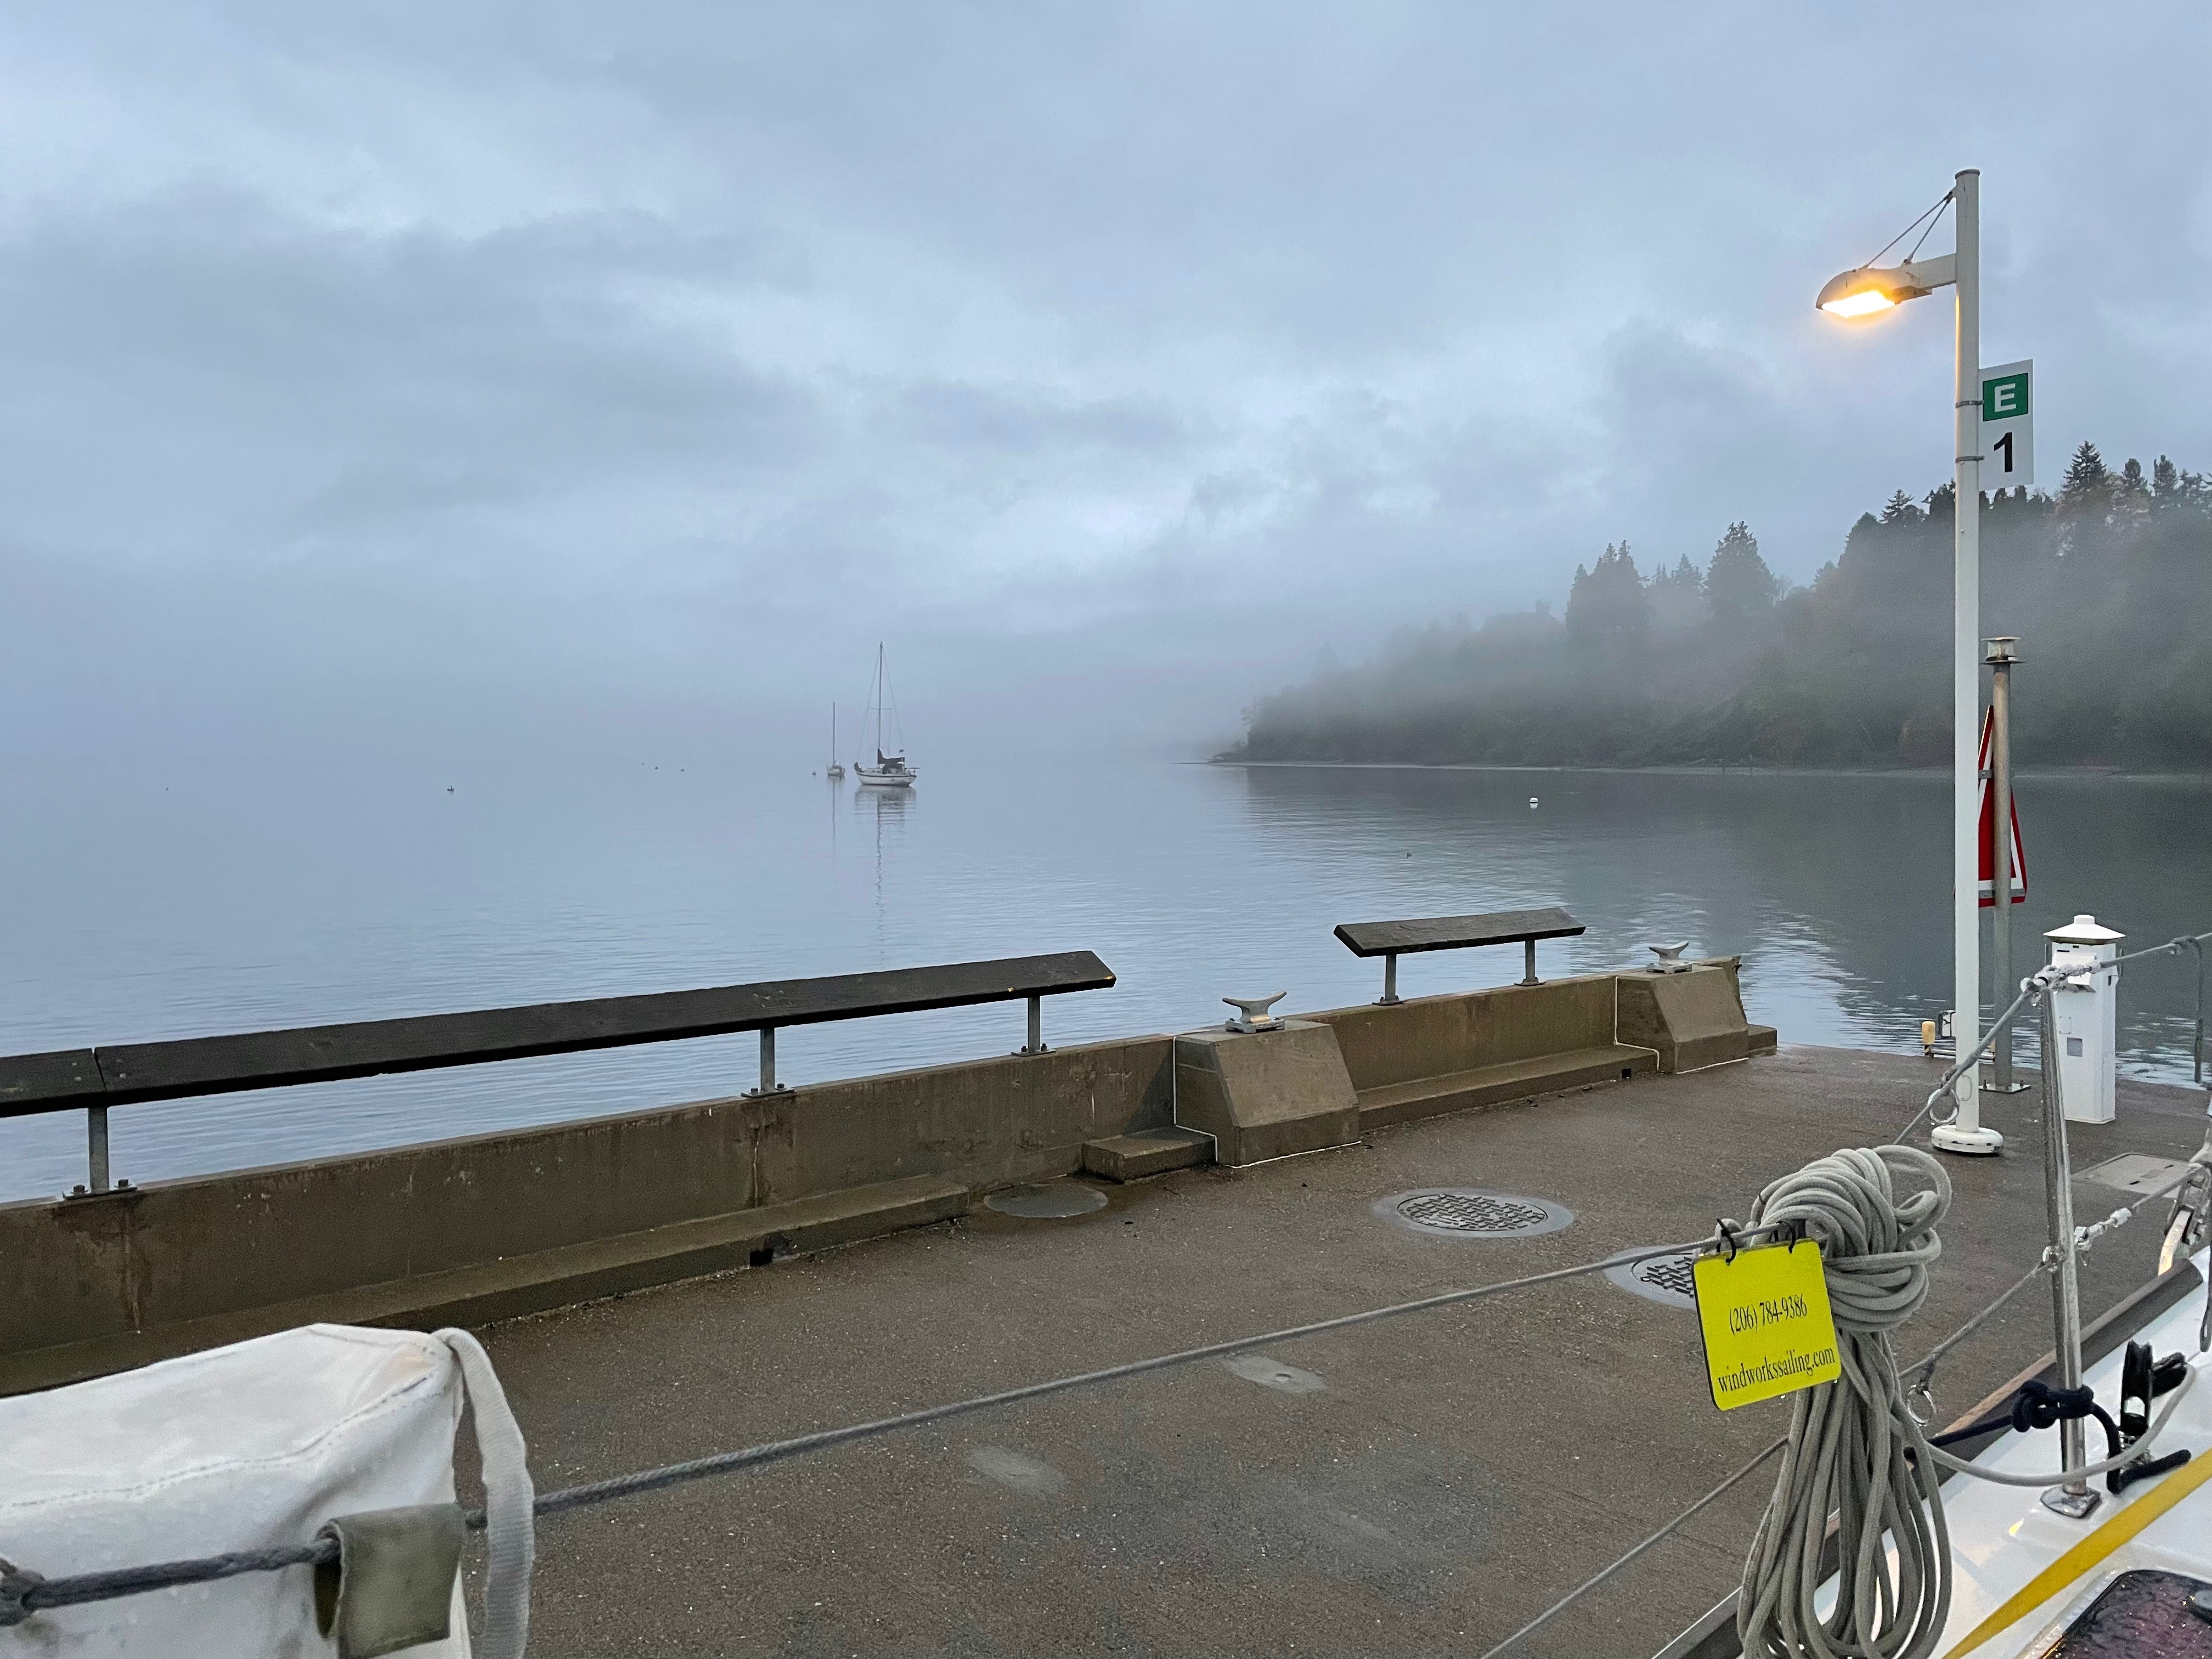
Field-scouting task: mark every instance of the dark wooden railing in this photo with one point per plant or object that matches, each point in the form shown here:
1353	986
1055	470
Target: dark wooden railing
94	1079
1392	940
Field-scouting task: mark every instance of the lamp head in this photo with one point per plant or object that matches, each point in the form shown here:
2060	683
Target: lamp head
1869	289
1851	296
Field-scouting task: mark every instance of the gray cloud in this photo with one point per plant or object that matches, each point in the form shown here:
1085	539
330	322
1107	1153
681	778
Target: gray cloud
531	371
961	416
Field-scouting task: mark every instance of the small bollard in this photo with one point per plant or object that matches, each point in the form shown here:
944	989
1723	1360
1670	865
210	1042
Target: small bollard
1253	1013
1670	958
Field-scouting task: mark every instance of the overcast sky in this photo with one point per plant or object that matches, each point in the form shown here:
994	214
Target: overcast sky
471	375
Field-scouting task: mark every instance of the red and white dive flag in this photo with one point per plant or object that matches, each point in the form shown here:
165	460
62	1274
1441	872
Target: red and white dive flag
1987	869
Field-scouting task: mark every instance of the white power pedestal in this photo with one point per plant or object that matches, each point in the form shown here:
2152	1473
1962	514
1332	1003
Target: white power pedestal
2087	1019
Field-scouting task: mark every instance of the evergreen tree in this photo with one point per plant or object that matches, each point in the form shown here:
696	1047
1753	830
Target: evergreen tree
2088	480
1678	596
2164	482
1739	585
2131	491
1902	509
1607	607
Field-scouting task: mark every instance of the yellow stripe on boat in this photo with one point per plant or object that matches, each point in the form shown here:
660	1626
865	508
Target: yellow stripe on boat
2121	1529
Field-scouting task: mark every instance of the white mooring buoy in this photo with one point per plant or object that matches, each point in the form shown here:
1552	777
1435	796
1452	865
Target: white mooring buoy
1532	803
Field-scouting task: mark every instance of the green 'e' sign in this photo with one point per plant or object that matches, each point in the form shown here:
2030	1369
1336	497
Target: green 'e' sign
2005	398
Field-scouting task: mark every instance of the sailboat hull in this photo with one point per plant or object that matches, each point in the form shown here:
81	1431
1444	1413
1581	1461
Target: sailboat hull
883	780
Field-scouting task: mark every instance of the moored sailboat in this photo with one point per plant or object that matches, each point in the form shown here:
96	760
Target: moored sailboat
890	770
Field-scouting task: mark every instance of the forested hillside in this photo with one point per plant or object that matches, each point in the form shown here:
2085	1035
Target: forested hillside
2108	583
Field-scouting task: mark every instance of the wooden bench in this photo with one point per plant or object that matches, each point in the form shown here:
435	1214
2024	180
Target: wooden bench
1392	940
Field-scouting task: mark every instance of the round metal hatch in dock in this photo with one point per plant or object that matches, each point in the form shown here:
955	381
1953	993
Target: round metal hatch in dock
1663	1279
1056	1201
1473	1213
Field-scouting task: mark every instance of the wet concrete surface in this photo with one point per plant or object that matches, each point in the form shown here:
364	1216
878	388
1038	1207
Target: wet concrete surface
1420	1486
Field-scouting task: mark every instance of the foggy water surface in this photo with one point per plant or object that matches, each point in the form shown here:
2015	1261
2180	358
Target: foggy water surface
142	909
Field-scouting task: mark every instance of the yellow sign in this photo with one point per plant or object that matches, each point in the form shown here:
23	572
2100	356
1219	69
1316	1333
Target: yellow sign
1768	1330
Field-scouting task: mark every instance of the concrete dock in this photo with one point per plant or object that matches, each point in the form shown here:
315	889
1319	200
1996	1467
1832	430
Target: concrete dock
1422	1485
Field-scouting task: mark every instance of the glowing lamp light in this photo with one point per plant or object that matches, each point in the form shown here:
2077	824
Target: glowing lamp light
1870	289
1864	303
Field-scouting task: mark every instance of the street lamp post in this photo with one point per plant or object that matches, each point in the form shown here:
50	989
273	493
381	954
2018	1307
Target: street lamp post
1860	292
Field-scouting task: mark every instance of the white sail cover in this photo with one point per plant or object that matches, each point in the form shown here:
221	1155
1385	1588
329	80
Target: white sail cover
238	1448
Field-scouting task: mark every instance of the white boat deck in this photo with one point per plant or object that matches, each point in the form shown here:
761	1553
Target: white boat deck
2002	1537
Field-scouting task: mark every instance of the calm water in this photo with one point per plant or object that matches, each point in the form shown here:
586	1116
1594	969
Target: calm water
138	909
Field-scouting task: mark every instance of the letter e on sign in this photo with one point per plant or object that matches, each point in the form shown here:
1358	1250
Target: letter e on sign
2008	426
1767	1328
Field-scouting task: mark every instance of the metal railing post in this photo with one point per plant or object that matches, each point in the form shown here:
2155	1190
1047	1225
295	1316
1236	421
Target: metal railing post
2075	1498
769	1085
1389	979
1035	1044
2196	1046
1528	975
95	1128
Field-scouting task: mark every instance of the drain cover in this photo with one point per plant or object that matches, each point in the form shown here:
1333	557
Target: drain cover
1471	1213
1054	1202
1664	1280
2136	1172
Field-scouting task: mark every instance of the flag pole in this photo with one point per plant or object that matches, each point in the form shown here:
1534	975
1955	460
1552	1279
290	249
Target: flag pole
2001	656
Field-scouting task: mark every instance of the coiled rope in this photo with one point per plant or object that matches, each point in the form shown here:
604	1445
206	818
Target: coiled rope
1847	1447
1853	1447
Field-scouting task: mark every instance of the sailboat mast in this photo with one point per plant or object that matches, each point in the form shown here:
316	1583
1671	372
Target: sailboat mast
879	701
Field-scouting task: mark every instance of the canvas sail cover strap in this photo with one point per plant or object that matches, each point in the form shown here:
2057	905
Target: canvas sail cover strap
509	1531
251	1447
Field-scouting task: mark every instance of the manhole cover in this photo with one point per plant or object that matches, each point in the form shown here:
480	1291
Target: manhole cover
1471	1213
1663	1279
1056	1202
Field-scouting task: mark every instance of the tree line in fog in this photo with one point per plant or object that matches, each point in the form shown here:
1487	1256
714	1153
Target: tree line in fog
2108	583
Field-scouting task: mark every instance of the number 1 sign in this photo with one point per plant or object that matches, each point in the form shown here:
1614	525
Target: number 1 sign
2008	426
